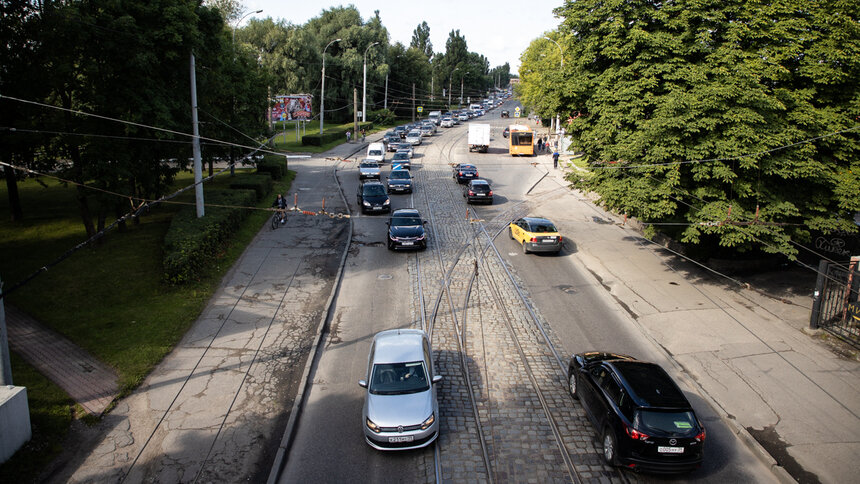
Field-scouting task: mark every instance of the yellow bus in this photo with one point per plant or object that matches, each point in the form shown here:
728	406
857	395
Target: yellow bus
521	140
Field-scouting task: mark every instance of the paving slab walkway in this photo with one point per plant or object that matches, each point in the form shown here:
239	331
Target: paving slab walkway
87	380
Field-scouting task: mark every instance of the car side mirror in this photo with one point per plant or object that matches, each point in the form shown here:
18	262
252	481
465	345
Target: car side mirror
362	383
437	379
424	222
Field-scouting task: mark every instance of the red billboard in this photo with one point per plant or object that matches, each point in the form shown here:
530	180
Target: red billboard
291	108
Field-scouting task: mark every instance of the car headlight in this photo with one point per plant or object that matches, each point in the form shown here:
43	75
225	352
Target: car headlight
387	202
366	203
427	423
372	426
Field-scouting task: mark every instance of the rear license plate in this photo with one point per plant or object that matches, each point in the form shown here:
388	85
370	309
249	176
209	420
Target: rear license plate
408	243
548	241
670	450
404	438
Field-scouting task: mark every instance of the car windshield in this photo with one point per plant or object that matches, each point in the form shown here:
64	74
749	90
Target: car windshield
405	221
398	378
543	228
666	423
372	190
401	156
399	175
369	165
375	152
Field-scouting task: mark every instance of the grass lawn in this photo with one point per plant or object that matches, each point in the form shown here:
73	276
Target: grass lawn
312	127
108	298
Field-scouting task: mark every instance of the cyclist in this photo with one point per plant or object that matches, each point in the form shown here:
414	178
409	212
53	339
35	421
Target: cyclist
280	203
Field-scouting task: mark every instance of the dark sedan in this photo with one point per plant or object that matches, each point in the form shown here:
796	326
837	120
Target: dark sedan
463	172
372	197
399	181
401	159
406	230
478	191
644	420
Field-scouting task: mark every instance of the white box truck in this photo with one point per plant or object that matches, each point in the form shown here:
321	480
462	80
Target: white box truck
435	116
479	137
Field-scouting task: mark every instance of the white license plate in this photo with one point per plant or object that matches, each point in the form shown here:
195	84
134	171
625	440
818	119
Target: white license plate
670	450
404	438
407	243
548	241
479	194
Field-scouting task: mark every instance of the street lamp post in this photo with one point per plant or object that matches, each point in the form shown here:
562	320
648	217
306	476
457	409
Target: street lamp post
364	86
450	77
322	88
240	21
461	86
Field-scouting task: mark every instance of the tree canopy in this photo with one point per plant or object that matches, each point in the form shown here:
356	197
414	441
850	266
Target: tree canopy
736	121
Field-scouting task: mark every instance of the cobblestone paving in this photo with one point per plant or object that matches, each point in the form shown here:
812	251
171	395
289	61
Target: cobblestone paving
513	427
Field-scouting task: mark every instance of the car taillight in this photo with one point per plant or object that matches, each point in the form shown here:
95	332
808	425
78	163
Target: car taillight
491	193
471	192
534	239
460	173
635	434
701	436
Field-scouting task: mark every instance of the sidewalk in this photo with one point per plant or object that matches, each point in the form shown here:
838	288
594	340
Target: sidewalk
745	348
88	381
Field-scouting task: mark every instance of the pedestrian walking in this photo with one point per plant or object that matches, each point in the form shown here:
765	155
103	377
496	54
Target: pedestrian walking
555	159
362	135
539	145
348	135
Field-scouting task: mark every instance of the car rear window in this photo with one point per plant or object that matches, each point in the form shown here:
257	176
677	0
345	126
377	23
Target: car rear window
399	378
666	423
543	228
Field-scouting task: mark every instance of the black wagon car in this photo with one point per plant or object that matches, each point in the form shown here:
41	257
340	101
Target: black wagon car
644	420
478	191
463	172
373	197
406	230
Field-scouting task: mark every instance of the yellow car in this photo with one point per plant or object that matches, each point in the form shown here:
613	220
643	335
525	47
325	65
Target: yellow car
536	234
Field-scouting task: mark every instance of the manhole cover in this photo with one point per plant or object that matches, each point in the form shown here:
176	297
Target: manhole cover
567	289
384	277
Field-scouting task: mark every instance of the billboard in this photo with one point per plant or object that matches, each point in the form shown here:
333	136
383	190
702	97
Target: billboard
292	107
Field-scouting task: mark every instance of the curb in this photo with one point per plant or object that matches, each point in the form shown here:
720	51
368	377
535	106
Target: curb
322	328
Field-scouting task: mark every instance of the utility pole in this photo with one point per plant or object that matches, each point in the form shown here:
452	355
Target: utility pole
385	106
195	144
432	79
413	102
355	113
5	365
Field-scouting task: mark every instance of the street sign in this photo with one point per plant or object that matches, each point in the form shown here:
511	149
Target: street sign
420	109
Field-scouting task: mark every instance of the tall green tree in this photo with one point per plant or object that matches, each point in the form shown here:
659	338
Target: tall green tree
421	39
692	111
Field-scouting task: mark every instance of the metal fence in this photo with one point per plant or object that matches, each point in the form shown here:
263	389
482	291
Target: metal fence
835	307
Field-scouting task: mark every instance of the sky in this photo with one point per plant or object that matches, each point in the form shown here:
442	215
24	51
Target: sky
500	30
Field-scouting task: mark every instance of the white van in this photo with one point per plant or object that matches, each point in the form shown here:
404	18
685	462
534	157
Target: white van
435	116
376	152
473	107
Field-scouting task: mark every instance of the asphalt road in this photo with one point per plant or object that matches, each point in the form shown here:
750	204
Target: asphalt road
379	292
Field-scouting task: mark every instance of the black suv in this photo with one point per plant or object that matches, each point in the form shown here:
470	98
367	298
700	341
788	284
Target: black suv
373	197
406	230
644	420
478	191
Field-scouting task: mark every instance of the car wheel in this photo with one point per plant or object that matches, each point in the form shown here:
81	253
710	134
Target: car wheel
390	245
511	233
525	249
571	385
610	448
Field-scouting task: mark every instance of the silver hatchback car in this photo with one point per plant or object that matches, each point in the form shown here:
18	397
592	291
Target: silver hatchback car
400	407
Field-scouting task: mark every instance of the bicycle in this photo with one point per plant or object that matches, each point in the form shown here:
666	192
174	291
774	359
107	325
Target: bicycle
276	219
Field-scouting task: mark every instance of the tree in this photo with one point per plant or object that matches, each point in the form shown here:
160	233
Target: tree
690	111
421	40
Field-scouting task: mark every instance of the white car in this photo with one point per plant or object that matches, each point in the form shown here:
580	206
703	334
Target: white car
463	117
414	137
447	122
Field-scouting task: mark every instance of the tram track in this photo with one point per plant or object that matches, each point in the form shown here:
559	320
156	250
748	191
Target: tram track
524	326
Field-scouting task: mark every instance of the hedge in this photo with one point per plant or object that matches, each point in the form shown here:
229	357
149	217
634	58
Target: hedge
334	133
191	243
275	166
261	183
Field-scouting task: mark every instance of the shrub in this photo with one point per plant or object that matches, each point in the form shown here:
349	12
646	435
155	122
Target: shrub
331	134
191	243
261	183
382	117
274	165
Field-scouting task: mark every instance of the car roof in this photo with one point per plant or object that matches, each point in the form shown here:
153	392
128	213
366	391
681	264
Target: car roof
406	212
479	181
398	345
649	385
536	220
371	182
